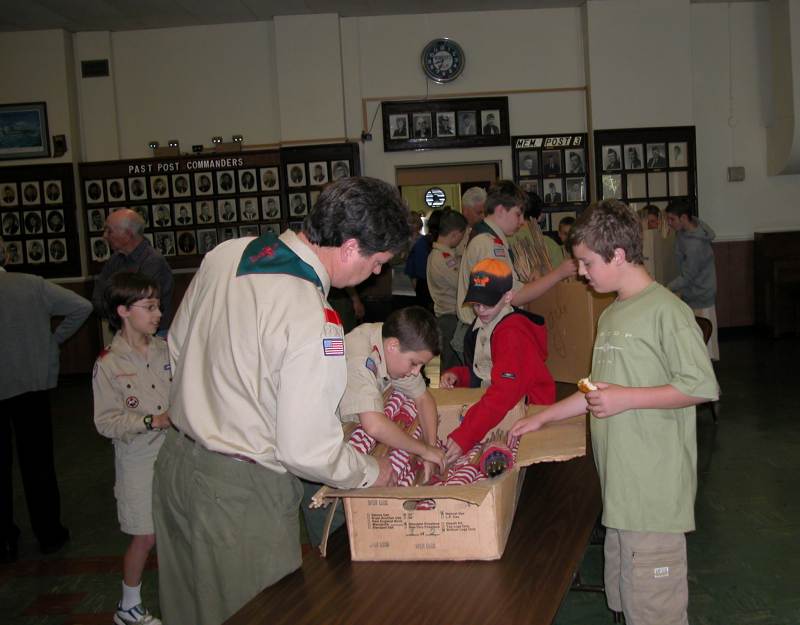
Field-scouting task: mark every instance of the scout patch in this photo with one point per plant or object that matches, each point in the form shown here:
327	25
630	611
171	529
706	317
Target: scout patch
500	252
333	347
131	401
331	316
370	364
508	375
453	262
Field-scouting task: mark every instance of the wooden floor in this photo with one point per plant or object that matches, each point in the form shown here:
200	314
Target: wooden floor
558	506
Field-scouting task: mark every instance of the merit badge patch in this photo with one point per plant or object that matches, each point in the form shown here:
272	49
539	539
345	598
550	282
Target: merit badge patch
370	364
500	252
333	347
131	402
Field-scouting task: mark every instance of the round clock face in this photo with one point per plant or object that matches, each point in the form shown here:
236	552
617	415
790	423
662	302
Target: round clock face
442	60
435	197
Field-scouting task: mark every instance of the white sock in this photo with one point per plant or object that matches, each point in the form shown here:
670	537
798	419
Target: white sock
131	596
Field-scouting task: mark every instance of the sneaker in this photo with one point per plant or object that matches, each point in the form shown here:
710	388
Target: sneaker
137	615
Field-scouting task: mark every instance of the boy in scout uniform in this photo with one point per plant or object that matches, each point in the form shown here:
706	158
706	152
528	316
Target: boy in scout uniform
131	383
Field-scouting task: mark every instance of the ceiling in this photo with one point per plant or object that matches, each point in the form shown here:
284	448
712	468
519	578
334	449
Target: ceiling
88	15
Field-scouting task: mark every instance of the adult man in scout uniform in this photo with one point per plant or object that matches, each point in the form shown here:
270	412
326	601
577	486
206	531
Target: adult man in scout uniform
259	366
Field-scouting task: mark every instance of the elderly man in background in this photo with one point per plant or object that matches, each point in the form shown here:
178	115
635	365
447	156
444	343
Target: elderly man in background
31	351
472	207
132	252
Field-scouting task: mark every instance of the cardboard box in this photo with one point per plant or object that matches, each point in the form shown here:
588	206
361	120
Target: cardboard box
468	522
571	310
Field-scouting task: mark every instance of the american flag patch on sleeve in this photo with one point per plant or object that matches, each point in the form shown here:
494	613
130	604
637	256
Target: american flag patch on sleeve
333	347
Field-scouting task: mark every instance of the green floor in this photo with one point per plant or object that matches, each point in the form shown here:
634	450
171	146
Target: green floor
741	559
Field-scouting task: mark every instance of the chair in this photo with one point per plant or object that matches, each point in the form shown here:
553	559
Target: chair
707	328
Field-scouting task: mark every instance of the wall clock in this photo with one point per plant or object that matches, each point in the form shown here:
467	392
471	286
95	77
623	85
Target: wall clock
442	60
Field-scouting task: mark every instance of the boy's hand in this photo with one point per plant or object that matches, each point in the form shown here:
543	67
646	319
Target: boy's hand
608	400
434	459
567	269
453	451
448	380
161	421
523	426
386	476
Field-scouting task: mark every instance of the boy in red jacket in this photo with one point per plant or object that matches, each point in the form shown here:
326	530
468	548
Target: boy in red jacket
505	350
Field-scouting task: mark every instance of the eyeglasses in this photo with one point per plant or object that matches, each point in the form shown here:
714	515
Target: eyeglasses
148	307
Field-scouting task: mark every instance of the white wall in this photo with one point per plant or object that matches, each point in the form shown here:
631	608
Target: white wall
97	99
737	209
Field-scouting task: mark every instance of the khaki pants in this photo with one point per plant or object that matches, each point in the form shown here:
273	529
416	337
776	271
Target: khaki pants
645	577
225	529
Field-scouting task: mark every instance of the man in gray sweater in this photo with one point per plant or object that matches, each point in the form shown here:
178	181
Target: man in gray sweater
30	370
696	282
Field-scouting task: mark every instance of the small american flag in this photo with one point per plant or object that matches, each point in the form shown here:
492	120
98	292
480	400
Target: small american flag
333	347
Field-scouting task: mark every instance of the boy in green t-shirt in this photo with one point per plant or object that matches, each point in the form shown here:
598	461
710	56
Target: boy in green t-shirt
650	368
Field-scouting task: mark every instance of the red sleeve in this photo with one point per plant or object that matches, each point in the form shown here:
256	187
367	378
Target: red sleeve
510	353
463	375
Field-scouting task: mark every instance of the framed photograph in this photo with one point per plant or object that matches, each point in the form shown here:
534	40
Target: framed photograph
52	192
183	214
553	193
656	184
226	234
633	157
206	240
115	189
35	251
159	187
25	132
162	216
180	185
32	221
296	174
678	184
677	154
187	244
637	186
446	124
225	182
612	186
319	172
271	207
100	251
247	180
94	191
398	125
298	205
557	216
203	184
54	219
272	228
10	224
422	127
248	231
30	193
149	237
137	188
248	208
295	226
165	242
313	197
226	210
57	250
575	161
467	123
576	189
340	169
528	162
14	252
143	213
8	194
490	122
96	218
114	209
656	156
611	160
531	186
551	162
269	179
205	211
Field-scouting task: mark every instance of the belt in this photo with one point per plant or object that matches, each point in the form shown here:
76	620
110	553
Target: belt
238	457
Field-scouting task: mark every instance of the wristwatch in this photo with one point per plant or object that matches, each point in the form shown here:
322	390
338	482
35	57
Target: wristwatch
148	422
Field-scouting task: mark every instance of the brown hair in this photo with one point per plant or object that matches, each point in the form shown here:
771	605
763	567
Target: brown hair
606	226
415	328
507	194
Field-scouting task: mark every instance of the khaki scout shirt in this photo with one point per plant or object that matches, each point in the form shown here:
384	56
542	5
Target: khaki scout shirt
259	361
128	385
442	275
482	246
482	359
368	381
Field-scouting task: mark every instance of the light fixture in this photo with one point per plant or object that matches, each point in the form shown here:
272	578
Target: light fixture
153	145
216	140
237	138
173	143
